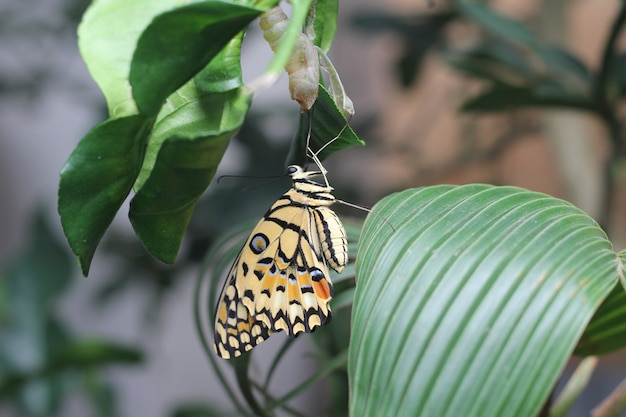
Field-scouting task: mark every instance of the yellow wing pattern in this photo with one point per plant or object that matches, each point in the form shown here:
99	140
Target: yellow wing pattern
280	279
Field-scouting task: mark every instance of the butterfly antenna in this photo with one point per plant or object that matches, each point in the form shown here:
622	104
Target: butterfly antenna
367	209
271	181
335	138
254	177
314	155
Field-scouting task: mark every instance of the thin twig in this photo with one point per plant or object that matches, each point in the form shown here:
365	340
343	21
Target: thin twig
608	114
614	404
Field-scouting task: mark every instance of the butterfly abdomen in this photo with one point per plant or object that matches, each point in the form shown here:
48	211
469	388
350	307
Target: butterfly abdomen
333	238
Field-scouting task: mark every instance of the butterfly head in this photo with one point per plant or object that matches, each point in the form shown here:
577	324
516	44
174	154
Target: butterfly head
298	172
299	176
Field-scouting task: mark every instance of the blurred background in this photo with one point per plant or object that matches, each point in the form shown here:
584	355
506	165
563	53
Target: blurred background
413	69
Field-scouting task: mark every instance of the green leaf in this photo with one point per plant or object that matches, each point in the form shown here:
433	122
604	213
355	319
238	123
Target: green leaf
195	34
85	354
80	355
559	61
185	164
501	62
325	23
473	302
96	179
224	71
27	294
328	126
31	284
192	114
545	93
194	122
607	330
564	64
494	61
495	23
107	37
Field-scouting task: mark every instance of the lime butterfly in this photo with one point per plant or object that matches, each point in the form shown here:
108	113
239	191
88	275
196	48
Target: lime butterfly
280	280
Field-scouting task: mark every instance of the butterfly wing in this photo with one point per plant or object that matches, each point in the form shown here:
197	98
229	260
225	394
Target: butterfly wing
279	281
294	286
236	331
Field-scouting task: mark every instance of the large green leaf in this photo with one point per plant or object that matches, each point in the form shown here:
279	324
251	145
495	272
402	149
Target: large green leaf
224	71
195	34
472	302
186	146
607	330
189	138
184	166
107	37
97	178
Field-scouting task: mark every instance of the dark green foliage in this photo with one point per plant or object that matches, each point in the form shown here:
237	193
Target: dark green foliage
41	362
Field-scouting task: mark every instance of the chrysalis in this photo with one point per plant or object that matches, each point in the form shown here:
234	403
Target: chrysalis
303	66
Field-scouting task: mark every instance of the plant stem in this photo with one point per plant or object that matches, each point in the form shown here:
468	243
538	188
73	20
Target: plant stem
614	404
606	112
608	57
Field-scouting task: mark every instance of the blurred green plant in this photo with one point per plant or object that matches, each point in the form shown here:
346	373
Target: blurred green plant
470	299
520	70
42	364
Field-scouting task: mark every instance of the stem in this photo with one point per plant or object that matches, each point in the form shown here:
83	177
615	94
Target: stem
199	302
614	404
605	110
574	387
608	56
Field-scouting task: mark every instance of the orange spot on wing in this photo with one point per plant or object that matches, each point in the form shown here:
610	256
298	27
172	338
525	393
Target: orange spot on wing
322	290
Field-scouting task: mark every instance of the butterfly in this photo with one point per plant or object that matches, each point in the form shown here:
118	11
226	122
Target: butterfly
280	280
